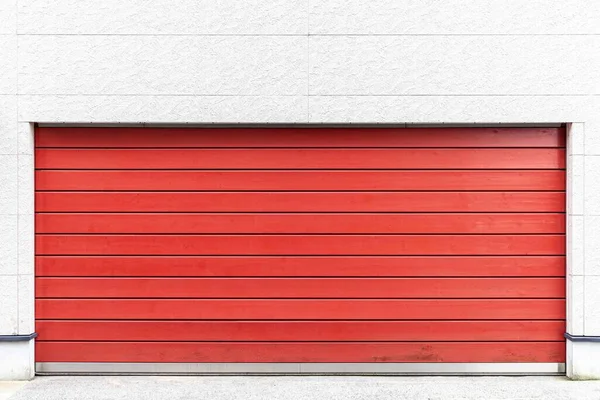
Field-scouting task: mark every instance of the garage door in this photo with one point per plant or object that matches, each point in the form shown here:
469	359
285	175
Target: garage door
300	250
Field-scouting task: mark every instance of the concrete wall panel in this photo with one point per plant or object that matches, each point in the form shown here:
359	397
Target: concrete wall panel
454	65
454	17
8	16
9	300
163	17
163	65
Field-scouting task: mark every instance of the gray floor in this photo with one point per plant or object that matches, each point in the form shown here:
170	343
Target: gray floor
7	389
296	388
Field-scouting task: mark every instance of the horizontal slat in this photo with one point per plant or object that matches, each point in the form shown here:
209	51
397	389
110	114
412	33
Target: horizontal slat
173	309
300	223
298	137
529	180
299	266
300	287
300	159
300	244
301	202
300	331
300	352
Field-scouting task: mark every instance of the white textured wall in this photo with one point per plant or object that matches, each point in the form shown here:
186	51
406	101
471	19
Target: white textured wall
298	61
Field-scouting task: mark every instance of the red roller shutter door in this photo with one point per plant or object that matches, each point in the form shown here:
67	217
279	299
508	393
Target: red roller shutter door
324	245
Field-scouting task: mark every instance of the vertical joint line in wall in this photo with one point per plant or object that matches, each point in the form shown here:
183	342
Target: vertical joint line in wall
307	60
16	126
584	222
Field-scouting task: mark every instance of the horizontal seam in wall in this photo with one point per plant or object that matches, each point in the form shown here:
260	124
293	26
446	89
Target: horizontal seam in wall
161	95
305	34
459	95
299	95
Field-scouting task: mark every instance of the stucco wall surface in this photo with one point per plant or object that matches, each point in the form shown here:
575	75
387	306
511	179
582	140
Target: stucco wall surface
299	61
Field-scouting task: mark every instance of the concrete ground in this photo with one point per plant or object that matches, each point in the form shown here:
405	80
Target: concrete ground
300	388
7	389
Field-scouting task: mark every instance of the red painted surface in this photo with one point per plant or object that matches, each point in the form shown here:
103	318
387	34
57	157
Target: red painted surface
300	202
301	159
335	266
300	245
301	180
299	137
277	331
340	309
300	352
301	288
300	223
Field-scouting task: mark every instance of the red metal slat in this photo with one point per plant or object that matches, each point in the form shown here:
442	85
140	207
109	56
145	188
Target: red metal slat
300	352
529	180
300	159
275	331
300	223
300	287
301	202
300	245
173	309
299	266
298	137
